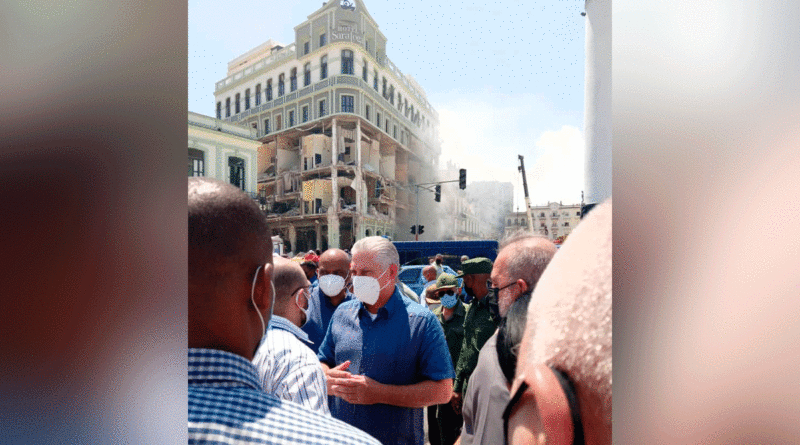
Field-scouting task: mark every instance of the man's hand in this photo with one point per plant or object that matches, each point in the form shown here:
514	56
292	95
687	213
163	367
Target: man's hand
355	389
335	373
455	402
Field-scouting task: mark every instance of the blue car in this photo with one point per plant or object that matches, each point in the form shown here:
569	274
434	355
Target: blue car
412	277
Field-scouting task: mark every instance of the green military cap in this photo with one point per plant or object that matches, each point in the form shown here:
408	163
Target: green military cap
476	266
446	281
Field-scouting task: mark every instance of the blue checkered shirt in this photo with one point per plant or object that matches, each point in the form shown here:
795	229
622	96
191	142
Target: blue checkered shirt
289	369
227	405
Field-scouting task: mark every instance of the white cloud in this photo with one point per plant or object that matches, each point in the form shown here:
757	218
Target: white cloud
487	137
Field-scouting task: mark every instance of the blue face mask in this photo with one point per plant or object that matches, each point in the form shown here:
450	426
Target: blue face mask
449	301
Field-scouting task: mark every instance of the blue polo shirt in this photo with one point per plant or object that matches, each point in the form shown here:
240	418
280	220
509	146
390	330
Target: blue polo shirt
404	345
320	311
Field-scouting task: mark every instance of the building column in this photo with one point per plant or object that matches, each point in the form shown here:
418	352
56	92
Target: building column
318	230
333	210
293	237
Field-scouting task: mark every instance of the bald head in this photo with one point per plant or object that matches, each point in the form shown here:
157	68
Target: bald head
429	272
332	260
521	260
569	321
288	276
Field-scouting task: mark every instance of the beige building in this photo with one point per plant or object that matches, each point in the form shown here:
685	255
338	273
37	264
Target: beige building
552	220
344	132
222	150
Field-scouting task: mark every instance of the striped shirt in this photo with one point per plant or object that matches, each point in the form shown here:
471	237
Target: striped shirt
227	405
289	369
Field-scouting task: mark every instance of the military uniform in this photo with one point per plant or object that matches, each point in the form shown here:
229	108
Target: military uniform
479	324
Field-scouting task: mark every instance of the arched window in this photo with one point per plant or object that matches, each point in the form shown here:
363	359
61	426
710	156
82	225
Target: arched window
307	74
219	110
391	94
269	90
364	71
258	94
281	85
236	166
197	165
378	233
228	107
247	99
237	103
375	80
293	80
347	61
368	232
323	67
384	88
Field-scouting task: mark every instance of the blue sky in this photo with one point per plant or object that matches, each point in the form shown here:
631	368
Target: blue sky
506	77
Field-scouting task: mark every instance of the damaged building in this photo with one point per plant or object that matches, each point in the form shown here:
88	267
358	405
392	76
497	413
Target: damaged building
344	133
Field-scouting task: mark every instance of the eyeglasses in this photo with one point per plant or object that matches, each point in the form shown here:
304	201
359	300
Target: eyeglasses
572	402
446	292
497	290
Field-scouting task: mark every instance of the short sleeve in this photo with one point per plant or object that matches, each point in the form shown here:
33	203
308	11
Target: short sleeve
434	360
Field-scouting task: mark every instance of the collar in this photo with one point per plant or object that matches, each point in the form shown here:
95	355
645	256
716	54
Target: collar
388	309
281	323
214	367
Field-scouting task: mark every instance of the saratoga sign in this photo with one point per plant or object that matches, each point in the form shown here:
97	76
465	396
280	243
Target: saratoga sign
347	32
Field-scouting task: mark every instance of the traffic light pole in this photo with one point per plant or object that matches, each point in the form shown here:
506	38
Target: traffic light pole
416	187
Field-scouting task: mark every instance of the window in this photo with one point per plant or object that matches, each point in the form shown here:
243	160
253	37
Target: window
196	162
323	67
266	126
375	80
236	166
378	119
247	99
387	125
347	150
322	108
237	103
306	47
394	132
291	118
384	88
364	71
347	61
293	80
391	94
258	94
219	110
399	101
281	85
366	112
278	122
269	90
566	224
228	107
307	75
317	159
347	104
305	113
322	39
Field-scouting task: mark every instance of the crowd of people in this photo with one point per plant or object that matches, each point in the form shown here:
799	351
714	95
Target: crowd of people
328	347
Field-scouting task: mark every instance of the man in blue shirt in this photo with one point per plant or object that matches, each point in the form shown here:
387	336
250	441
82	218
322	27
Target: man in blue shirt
334	272
385	356
230	304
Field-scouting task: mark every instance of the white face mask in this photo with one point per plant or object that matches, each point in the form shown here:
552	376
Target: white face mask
331	284
367	289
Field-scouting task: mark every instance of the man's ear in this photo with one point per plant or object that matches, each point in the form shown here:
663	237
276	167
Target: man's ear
393	271
522	285
263	294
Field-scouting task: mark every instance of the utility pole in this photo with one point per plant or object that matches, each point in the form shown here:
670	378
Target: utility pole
527	198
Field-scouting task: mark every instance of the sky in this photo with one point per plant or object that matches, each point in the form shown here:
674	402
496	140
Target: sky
506	77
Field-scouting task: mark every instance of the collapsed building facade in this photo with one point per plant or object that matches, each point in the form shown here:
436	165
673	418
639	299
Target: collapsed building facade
344	133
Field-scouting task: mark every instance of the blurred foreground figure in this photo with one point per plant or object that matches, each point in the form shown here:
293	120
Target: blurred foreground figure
287	366
230	304
385	356
562	389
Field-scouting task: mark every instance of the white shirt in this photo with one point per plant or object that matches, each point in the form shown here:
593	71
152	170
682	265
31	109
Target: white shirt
289	369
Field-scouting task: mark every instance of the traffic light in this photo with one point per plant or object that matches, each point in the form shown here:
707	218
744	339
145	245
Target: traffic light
421	229
413	230
437	196
462	178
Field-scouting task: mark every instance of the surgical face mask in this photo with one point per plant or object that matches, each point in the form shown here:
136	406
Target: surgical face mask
368	289
449	300
302	291
331	284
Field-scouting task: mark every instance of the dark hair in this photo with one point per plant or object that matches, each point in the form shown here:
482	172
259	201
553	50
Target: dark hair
509	335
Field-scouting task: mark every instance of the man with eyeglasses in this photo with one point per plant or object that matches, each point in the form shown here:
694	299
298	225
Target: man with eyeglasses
287	367
443	419
562	391
479	322
332	291
520	262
